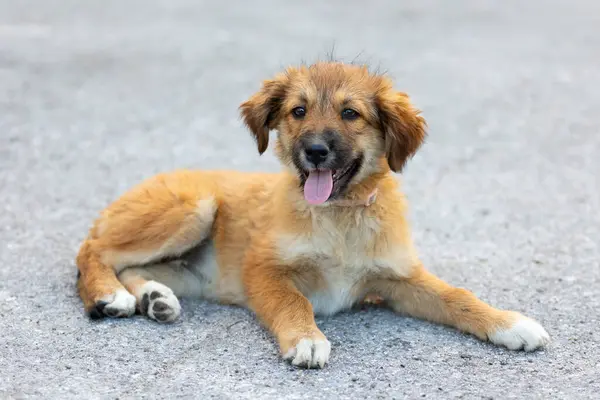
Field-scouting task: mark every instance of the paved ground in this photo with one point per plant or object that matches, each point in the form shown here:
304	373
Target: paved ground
96	95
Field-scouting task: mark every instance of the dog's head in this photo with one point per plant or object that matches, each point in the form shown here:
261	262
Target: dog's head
337	125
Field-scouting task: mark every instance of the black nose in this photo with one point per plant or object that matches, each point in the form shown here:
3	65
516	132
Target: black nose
316	153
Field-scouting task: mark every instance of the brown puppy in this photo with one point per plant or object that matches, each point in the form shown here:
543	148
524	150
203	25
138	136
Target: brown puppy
316	238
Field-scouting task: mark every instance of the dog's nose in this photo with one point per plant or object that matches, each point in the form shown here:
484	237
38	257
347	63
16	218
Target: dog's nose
316	153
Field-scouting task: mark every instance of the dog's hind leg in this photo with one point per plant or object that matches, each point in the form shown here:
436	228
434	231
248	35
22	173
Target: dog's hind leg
155	288
99	288
162	217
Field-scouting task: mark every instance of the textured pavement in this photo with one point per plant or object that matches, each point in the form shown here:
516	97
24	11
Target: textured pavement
97	95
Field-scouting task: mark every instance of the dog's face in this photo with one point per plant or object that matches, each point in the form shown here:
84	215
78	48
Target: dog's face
337	125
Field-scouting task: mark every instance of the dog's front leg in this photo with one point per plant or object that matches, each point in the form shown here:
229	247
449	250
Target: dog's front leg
287	313
425	296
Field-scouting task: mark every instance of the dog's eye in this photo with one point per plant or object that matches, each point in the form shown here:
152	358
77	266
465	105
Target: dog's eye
299	112
349	114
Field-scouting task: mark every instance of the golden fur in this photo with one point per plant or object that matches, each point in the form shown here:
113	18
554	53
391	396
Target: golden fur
253	240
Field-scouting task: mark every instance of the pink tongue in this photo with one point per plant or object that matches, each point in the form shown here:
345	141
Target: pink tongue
318	186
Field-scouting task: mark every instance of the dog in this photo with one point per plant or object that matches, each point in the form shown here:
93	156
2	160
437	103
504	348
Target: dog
322	235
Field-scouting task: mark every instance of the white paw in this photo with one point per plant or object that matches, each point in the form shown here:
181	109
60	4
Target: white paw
118	304
524	333
158	302
309	353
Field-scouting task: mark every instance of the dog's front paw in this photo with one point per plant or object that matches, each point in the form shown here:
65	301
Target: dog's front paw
118	304
522	333
158	302
310	352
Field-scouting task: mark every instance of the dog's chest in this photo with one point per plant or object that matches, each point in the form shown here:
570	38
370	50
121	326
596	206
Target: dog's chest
342	256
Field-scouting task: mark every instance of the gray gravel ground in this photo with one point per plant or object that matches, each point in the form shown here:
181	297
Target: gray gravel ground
97	95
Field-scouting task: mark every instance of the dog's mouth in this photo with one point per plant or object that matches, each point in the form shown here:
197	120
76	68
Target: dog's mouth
321	185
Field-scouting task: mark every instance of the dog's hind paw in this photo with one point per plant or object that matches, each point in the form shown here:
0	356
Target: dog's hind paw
118	304
158	302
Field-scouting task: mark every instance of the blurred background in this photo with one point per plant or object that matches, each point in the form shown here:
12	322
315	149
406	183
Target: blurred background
504	197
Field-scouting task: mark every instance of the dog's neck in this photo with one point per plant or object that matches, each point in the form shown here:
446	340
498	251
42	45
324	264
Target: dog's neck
363	193
370	199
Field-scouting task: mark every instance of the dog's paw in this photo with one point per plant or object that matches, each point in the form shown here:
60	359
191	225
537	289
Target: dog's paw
522	334
309	352
158	302
118	304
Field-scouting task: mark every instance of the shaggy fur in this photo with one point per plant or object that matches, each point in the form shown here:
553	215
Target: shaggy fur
254	239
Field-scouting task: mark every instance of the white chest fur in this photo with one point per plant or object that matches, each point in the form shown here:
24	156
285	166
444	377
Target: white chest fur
345	252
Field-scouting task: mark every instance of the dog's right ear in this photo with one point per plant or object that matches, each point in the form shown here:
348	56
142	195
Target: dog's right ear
261	112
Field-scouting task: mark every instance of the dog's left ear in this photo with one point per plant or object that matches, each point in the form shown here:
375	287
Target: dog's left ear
261	111
403	127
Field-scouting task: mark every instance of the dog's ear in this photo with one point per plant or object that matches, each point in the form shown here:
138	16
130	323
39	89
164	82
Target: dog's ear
403	127
261	111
